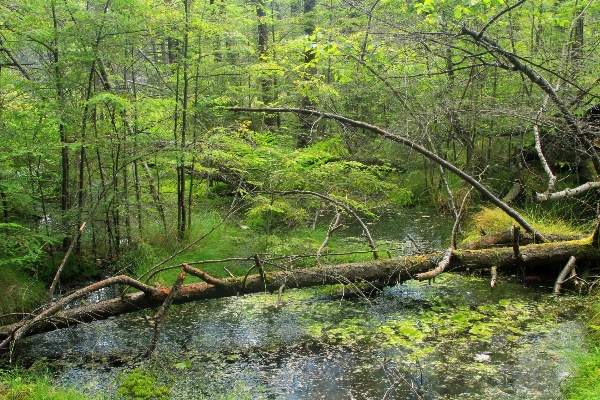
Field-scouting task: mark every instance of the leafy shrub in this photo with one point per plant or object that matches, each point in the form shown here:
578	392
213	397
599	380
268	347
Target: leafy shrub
273	214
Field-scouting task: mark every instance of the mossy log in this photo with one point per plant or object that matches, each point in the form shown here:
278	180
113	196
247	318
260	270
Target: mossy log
505	238
388	271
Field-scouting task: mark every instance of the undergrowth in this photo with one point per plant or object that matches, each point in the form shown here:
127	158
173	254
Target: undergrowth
234	239
19	384
492	220
20	293
584	383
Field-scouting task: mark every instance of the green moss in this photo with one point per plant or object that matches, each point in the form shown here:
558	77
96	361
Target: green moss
140	384
492	220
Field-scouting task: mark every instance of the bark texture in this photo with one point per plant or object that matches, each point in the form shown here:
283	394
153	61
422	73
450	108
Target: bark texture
387	271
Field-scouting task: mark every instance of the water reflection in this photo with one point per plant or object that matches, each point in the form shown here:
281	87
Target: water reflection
453	339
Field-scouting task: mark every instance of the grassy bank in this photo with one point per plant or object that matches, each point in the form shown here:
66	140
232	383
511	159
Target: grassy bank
584	383
33	385
234	239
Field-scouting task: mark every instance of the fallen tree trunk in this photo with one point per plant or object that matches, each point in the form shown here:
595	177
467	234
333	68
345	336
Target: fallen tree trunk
505	238
388	271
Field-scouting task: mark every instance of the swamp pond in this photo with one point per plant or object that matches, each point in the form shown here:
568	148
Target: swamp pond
452	339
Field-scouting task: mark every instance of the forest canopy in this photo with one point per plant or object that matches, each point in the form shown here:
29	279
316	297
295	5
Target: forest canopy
116	113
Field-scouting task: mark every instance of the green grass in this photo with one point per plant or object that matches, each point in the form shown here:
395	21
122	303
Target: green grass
20	293
25	385
584	384
234	240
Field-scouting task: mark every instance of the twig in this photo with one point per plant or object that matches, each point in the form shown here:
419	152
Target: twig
339	204
333	226
561	277
440	268
415	243
159	318
459	216
491	21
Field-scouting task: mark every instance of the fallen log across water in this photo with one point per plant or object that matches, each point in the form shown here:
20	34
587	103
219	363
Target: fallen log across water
388	271
505	238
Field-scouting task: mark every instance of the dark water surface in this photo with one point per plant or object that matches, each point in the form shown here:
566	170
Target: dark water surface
452	339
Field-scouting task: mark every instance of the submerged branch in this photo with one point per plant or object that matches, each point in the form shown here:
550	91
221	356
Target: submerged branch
440	268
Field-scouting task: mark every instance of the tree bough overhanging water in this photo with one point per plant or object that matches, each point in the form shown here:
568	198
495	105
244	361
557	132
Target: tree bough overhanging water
383	271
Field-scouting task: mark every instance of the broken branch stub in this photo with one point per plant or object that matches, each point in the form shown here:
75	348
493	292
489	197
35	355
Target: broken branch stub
563	275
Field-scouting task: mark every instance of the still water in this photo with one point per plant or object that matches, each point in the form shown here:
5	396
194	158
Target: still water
452	339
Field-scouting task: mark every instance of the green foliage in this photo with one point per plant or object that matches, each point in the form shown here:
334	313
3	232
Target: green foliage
585	382
21	247
19	384
140	384
21	292
267	214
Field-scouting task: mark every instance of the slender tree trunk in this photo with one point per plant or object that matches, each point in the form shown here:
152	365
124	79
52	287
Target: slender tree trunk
263	55
307	124
58	76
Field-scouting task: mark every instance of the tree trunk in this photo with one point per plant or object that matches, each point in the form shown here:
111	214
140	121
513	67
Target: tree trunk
307	125
386	271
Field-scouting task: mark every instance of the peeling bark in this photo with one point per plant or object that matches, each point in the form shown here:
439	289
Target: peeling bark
439	269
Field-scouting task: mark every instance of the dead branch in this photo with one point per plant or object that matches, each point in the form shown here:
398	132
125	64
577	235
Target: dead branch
333	226
539	197
281	288
63	263
440	268
22	328
543	84
540	153
459	216
388	272
563	275
159	318
516	233
415	243
494	272
201	274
